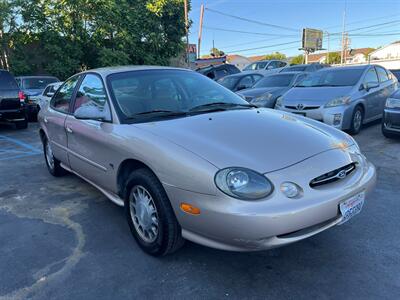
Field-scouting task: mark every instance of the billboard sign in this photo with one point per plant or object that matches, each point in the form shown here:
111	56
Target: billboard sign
312	39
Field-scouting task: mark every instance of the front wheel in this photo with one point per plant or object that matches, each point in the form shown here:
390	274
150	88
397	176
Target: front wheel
357	120
150	216
53	164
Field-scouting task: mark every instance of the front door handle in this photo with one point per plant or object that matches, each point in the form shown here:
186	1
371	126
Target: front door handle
69	130
45	120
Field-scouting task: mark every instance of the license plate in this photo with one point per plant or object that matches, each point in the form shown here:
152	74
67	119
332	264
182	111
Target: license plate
351	207
300	113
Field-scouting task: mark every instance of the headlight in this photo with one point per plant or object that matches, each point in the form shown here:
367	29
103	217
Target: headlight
392	103
243	183
264	97
338	101
279	102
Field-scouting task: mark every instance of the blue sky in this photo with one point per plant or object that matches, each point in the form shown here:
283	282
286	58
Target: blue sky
293	14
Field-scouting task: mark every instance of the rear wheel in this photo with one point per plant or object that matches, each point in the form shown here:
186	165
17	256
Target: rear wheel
53	164
357	120
150	216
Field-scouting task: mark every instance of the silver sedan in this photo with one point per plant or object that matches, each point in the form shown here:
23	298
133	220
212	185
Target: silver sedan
174	148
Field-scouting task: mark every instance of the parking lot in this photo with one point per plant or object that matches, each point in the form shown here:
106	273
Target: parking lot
61	238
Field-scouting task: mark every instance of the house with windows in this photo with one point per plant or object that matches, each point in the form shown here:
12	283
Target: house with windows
391	51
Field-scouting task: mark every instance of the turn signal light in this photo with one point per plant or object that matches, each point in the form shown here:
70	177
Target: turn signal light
190	209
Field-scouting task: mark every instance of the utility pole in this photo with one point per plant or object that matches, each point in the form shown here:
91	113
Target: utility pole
343	32
187	33
200	29
329	47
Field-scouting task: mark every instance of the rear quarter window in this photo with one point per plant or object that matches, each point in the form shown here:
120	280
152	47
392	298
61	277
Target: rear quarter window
7	81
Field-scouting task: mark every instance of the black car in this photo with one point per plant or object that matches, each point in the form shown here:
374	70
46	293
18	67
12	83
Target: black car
240	81
391	116
305	68
218	71
12	103
266	91
396	73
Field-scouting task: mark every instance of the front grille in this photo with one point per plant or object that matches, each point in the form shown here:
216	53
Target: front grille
304	108
10	104
333	176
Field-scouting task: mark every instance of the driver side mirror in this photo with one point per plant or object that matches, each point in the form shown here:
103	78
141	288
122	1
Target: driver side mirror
92	112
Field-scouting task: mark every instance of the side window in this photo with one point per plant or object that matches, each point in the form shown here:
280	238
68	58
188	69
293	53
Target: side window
46	90
371	76
221	73
383	76
92	94
63	97
299	78
281	64
256	78
246	82
261	65
273	65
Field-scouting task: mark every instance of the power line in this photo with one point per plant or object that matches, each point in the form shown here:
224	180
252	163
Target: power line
252	42
252	21
248	32
363	21
269	46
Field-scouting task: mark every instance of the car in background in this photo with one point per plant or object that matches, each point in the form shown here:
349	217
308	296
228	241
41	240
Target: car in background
47	93
396	73
304	68
265	92
175	150
344	97
239	81
32	87
12	102
218	71
391	116
264	66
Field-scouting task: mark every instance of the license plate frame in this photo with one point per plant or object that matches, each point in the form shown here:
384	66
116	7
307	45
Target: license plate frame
351	207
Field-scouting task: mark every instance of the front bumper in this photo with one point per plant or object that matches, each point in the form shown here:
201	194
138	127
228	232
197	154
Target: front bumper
338	116
391	120
229	224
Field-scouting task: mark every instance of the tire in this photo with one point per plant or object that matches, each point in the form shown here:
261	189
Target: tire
22	124
52	163
388	134
357	120
153	225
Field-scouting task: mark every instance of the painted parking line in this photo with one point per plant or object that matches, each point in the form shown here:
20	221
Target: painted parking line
12	148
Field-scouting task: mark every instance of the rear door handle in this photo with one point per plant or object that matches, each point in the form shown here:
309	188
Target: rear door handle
69	130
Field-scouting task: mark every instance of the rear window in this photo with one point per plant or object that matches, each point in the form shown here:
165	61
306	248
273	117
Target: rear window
280	80
7	81
294	69
37	83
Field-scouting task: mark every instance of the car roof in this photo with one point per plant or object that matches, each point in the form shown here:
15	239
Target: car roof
38	76
290	72
241	74
111	70
359	67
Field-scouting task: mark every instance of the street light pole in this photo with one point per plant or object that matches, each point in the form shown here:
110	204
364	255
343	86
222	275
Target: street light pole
200	29
187	33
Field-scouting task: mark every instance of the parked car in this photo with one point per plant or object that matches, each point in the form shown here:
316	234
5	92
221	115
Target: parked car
391	116
304	68
266	66
219	71
47	93
174	148
396	73
32	87
239	81
265	92
344	97
12	104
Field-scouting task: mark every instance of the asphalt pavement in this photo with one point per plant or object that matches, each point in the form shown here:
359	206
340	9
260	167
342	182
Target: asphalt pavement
60	238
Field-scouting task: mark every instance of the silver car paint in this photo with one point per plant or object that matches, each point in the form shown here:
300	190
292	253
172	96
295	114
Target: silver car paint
186	153
372	101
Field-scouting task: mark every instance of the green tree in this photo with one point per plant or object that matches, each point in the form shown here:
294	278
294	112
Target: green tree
334	57
275	55
297	60
215	52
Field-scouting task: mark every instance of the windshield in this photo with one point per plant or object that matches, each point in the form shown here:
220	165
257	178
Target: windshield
139	93
275	81
38	83
332	77
7	81
294	69
229	82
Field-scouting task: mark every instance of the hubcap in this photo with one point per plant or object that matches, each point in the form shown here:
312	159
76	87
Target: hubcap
49	156
357	120
143	213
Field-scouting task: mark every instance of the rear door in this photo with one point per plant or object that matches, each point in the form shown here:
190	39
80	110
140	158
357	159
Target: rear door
90	150
387	85
9	99
54	118
372	96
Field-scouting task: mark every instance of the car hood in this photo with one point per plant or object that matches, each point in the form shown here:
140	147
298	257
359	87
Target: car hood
315	95
255	92
263	140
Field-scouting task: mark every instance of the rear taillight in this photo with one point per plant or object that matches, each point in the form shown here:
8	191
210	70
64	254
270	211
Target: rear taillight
21	96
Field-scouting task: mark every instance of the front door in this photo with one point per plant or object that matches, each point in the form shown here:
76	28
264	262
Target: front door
90	150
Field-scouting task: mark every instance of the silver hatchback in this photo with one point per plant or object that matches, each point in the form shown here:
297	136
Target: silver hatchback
344	97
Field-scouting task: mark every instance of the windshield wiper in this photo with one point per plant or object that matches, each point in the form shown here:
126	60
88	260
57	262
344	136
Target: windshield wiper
215	106
157	113
321	85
